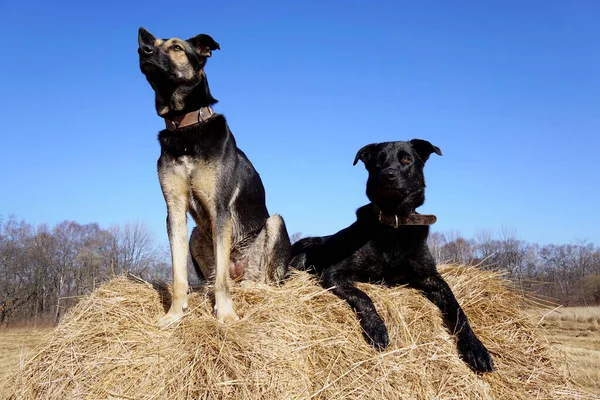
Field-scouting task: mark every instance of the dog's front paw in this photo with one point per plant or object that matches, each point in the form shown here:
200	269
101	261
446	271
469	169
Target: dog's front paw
474	353
227	317
226	314
169	319
376	332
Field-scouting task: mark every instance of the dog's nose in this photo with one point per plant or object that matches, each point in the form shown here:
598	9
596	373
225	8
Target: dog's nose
147	49
387	175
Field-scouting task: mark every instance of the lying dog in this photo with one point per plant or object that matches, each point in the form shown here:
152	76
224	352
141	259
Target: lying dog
379	246
202	171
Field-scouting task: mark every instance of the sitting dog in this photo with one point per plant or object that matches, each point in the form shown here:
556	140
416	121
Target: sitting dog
385	245
203	172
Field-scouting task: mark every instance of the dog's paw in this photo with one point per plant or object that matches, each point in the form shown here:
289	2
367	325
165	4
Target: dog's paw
169	319
227	317
224	308
474	353
376	333
226	314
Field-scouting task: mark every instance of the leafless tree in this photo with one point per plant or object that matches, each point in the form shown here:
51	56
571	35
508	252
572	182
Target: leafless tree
436	242
295	237
458	249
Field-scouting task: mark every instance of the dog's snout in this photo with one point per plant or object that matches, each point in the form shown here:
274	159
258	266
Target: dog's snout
147	49
387	174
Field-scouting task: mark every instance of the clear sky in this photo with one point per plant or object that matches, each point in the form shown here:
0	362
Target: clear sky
509	90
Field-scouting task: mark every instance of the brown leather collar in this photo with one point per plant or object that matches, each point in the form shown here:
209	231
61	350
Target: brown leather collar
395	221
191	118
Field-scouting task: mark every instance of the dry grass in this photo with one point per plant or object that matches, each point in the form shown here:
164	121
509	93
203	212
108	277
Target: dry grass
16	344
576	332
295	341
576	314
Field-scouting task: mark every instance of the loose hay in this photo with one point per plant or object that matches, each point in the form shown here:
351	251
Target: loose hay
294	341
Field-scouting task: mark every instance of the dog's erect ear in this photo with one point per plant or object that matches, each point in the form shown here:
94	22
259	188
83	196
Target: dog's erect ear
424	148
204	44
365	154
145	37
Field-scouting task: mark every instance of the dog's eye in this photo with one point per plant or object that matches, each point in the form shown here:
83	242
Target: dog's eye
176	47
405	160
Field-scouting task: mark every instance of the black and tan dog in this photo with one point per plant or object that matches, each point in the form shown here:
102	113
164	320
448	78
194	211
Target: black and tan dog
203	172
382	245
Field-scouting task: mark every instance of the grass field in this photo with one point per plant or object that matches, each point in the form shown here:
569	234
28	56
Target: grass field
16	344
574	330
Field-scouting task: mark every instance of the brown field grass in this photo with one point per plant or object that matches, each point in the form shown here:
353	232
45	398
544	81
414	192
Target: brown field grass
576	332
17	343
297	341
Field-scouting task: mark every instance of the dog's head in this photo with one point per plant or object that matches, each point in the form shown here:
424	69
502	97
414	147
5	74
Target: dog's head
396	183
175	70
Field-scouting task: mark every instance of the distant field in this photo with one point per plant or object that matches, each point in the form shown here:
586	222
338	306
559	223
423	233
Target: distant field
576	331
17	343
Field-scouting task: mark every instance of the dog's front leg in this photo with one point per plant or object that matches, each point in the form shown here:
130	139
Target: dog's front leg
374	328
469	346
222	232
177	231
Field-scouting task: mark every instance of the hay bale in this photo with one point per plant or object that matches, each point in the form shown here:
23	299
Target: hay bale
294	341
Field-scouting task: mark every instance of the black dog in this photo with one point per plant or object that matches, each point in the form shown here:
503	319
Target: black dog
203	172
379	246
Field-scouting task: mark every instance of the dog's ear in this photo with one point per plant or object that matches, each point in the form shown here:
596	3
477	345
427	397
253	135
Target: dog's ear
204	44
145	37
365	154
424	148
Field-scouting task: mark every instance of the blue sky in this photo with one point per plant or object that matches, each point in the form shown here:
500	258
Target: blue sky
509	90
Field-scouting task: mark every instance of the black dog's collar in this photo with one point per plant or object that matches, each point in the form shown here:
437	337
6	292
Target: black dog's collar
413	219
191	118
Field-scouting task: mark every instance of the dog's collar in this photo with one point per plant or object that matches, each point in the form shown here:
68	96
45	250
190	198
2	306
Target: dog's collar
395	221
191	118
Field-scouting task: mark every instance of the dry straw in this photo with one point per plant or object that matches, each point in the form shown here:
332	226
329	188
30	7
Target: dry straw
296	341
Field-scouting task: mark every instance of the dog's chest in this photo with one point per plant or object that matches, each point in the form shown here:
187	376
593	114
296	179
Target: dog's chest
391	250
190	178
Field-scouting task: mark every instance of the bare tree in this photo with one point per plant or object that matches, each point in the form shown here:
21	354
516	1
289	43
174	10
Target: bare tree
295	237
458	249
436	242
130	248
512	253
15	273
486	247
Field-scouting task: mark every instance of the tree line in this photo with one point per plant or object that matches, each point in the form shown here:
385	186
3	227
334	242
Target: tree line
565	273
45	270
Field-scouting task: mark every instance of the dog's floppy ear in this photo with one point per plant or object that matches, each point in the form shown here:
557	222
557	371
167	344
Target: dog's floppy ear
365	154
204	44
424	148
145	37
